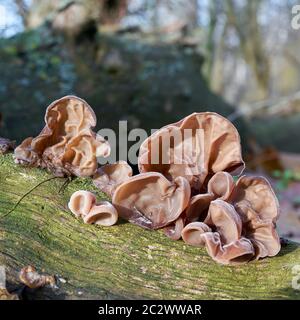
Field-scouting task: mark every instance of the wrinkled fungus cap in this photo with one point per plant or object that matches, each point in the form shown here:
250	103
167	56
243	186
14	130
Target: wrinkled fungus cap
243	216
211	145
257	205
221	234
103	213
110	176
83	204
67	145
150	200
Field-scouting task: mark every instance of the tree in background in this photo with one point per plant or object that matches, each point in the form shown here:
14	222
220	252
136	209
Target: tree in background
249	47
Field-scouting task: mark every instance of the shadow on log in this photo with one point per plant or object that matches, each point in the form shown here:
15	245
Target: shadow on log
123	261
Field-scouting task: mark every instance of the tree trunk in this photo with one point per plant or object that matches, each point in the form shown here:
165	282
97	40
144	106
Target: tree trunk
123	261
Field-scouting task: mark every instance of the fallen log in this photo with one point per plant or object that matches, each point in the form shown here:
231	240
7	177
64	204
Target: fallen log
123	261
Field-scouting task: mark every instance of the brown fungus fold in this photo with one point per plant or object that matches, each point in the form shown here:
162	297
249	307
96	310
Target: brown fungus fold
34	280
196	148
258	207
110	176
220	186
174	229
150	200
83	204
67	145
251	208
221	234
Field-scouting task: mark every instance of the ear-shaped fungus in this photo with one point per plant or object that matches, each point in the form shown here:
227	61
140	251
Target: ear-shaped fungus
221	233
67	145
150	200
253	210
110	176
103	213
174	229
83	204
258	207
220	186
211	144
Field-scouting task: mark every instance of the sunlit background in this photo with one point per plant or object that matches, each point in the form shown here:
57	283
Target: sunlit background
151	62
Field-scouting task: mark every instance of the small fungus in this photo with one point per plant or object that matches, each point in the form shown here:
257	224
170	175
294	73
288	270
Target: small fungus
103	213
83	204
110	176
34	280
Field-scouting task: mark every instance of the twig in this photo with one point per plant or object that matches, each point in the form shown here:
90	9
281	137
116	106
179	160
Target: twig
25	195
65	184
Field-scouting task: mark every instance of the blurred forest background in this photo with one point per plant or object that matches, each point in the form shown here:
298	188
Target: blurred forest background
151	62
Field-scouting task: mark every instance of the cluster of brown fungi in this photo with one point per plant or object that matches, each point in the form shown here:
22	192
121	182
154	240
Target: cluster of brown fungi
196	199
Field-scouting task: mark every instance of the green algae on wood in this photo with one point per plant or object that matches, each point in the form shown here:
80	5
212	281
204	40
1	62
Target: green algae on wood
122	261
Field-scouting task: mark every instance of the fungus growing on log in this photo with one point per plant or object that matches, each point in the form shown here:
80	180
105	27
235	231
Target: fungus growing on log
221	234
6	145
103	213
196	148
83	204
243	214
67	145
258	207
110	176
174	229
197	156
34	280
220	186
150	200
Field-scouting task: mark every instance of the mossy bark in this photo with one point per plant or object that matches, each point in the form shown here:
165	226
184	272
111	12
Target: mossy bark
123	261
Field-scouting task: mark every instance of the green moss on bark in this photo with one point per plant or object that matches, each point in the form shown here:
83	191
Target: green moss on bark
120	261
